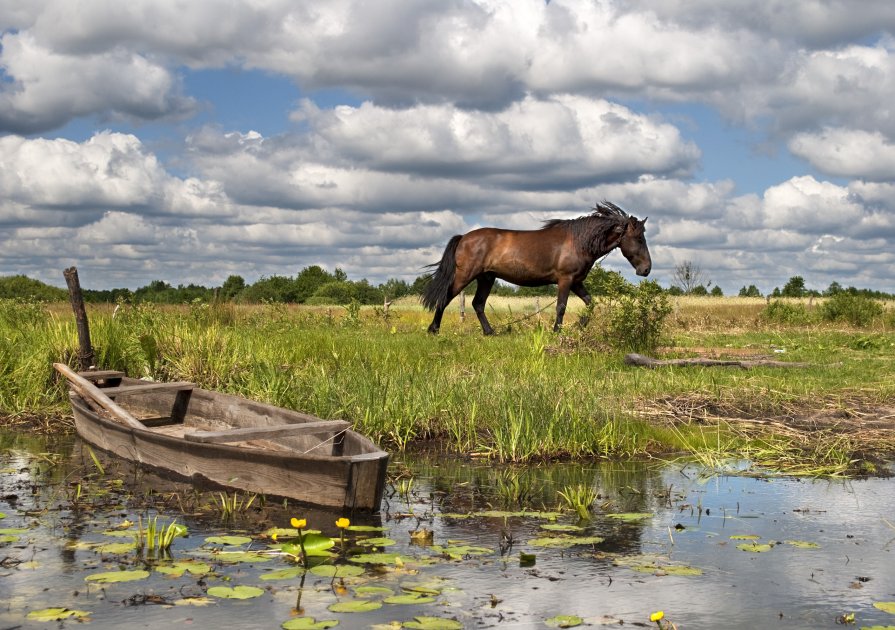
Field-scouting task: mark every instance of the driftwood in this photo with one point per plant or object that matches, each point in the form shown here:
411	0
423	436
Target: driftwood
649	362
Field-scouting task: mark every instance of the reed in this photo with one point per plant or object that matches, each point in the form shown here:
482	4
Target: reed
521	396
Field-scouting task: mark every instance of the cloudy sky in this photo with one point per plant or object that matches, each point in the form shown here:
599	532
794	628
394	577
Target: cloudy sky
187	141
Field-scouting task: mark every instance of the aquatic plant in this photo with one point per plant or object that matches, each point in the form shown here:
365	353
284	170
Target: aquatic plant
579	498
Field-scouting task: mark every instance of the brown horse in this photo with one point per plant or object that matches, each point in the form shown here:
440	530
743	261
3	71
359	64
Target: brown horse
562	253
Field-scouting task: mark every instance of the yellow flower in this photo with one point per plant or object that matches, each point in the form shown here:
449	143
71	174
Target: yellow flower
273	537
342	523
657	616
298	523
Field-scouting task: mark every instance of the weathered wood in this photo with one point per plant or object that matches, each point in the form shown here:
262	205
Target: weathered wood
87	389
100	375
146	386
85	352
649	362
254	433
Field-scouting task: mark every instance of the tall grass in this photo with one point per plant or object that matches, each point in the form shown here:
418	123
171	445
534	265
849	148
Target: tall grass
520	396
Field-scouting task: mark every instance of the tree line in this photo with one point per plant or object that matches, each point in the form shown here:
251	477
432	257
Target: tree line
314	285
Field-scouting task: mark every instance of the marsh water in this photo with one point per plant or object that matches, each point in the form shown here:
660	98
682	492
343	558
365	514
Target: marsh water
711	549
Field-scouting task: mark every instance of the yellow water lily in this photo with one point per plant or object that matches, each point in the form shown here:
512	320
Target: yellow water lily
273	537
657	616
342	523
298	523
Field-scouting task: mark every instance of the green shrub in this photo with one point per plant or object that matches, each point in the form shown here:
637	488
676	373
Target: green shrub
635	321
857	310
786	313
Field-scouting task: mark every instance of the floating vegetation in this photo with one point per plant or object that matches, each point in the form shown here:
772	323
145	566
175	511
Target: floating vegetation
355	606
564	621
432	623
111	577
802	544
308	623
58	614
337	571
631	516
755	547
235	592
888	607
229	541
177	569
564	542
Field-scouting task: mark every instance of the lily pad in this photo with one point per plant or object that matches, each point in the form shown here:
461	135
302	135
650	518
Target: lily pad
119	547
364	591
564	621
308	623
376	542
12	531
233	557
337	571
366	528
558	527
380	558
802	544
631	516
194	601
284	574
755	547
355	606
666	569
745	537
56	614
409	598
119	533
109	577
185	566
8	538
888	607
458	552
236	592
563	542
432	623
230	541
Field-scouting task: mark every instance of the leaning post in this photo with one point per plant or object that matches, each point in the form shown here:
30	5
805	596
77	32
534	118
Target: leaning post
85	351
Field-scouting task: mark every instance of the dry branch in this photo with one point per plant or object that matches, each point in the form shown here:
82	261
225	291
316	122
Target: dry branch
649	362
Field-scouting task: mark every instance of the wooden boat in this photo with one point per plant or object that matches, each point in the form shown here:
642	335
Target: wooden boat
227	441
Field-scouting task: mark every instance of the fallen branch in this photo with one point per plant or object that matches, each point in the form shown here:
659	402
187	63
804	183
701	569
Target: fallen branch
649	362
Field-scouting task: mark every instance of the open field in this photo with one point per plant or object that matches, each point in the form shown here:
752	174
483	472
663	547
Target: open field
524	395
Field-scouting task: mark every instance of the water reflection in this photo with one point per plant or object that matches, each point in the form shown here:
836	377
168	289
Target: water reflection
690	520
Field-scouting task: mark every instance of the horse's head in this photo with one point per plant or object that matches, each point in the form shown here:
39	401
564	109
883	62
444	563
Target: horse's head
632	242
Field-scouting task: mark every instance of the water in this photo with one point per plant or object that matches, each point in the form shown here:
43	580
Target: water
691	519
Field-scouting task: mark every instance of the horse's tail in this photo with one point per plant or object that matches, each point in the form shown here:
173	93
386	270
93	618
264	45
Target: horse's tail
437	293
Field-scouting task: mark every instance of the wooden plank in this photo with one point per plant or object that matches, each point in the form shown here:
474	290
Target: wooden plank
277	430
146	387
86	389
99	375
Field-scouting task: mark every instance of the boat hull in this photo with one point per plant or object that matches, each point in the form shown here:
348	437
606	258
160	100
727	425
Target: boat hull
353	480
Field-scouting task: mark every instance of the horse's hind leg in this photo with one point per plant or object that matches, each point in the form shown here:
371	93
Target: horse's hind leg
483	290
579	290
436	321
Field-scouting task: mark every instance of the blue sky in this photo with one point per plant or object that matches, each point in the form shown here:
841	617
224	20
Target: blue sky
146	140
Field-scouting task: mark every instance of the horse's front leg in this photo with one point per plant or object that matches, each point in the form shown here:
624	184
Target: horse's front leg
562	296
579	290
436	321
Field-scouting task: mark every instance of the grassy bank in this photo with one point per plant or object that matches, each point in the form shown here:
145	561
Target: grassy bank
523	395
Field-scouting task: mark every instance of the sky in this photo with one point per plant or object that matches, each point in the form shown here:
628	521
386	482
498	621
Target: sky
190	141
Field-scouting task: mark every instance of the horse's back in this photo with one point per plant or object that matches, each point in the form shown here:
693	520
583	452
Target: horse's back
522	257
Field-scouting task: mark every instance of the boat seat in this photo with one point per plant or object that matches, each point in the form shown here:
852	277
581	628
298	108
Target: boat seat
101	375
277	430
146	387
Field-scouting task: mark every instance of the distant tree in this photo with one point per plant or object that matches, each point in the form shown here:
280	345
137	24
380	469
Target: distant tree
794	287
688	275
394	288
29	289
834	289
309	280
335	292
675	290
750	291
272	289
340	275
699	290
419	284
365	293
232	287
716	291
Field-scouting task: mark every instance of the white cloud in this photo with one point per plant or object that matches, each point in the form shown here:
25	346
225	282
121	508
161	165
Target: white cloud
47	88
847	153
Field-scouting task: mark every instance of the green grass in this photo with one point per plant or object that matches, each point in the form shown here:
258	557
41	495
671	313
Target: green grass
521	396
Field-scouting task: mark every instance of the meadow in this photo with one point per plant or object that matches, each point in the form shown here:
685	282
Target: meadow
523	395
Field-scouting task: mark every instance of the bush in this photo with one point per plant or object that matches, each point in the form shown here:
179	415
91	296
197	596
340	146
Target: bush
857	310
786	313
635	320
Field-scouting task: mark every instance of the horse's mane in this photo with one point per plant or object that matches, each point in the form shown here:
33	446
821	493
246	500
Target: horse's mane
592	230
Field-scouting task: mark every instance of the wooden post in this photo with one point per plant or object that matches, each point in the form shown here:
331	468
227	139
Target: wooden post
462	306
85	353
